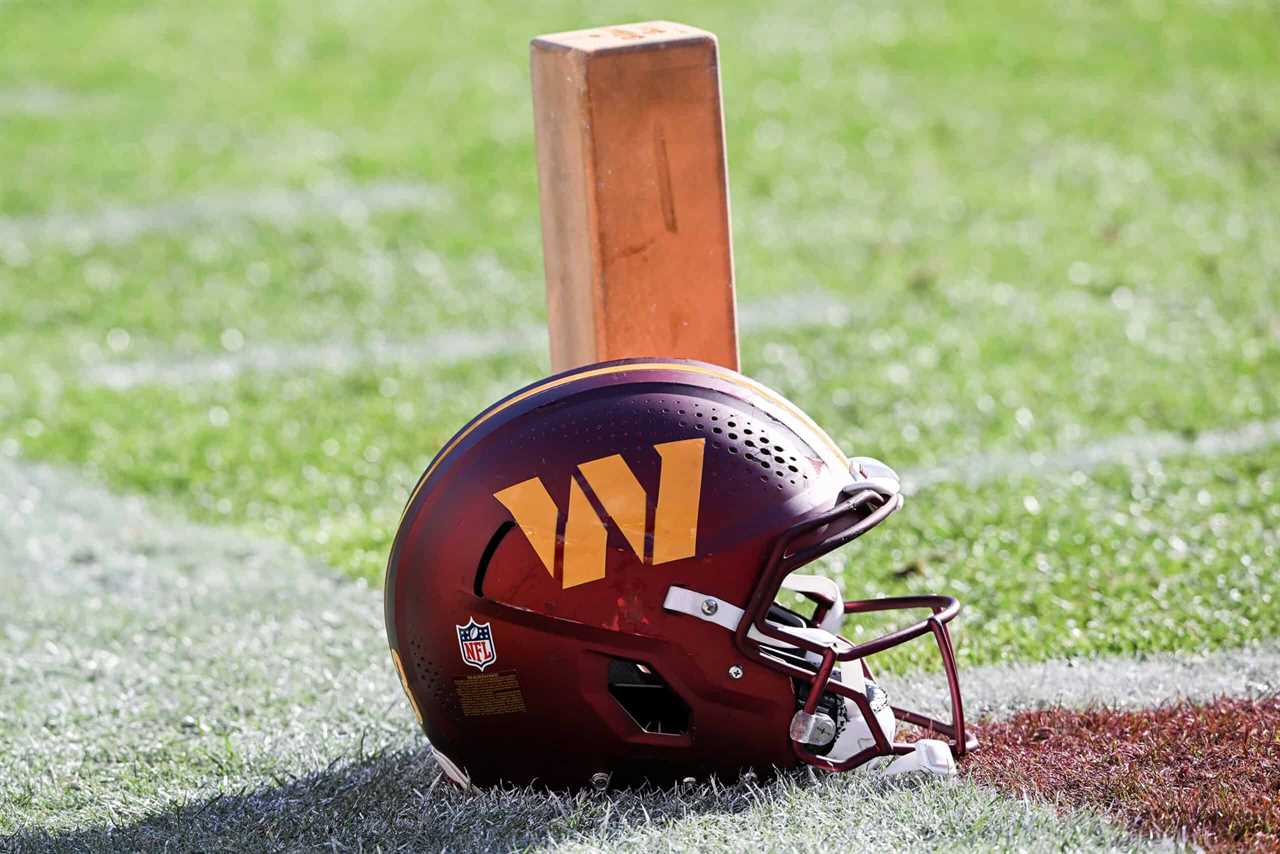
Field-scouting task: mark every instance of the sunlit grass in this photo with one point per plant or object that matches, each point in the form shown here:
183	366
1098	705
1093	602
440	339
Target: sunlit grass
1049	225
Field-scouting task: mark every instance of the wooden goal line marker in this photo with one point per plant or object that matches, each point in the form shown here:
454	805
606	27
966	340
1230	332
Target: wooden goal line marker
634	193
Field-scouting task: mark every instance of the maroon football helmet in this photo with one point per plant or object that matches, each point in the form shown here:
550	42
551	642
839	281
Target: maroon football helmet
584	588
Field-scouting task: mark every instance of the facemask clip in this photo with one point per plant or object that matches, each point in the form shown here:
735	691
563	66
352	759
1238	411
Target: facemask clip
931	756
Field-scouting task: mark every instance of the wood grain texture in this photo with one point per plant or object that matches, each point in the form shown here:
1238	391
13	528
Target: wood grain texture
634	194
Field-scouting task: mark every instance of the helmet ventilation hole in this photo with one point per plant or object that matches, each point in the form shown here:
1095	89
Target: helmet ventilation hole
431	676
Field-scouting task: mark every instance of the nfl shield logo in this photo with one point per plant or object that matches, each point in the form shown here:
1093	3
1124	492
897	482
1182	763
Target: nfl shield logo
476	642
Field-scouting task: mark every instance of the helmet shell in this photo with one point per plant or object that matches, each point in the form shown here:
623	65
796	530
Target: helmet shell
558	519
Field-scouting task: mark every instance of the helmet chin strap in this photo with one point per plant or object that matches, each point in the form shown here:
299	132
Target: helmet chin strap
930	755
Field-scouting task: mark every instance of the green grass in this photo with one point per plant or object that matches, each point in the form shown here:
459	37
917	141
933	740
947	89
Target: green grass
1051	223
1178	555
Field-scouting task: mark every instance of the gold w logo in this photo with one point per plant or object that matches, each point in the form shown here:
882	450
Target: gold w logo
675	517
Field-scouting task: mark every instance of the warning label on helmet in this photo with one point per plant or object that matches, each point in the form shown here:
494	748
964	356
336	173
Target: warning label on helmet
490	694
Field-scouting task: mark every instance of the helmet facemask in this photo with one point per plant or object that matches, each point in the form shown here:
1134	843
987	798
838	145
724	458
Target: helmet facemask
843	717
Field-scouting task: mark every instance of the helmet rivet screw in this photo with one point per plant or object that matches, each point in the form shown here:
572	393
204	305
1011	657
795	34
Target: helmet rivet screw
600	781
710	606
735	672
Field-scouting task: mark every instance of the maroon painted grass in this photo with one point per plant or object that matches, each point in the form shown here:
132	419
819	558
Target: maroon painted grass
1210	773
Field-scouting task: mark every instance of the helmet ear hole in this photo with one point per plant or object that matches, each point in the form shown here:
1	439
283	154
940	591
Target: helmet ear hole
647	698
487	556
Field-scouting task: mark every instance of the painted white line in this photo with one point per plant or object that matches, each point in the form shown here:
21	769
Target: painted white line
453	347
1122	449
275	206
44	101
1122	683
445	348
129	629
794	311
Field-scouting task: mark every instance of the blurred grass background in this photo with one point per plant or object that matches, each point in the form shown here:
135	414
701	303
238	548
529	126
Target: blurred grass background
1047	224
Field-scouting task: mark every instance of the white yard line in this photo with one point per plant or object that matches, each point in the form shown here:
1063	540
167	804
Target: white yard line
443	348
45	102
1125	683
785	312
125	629
121	224
1121	449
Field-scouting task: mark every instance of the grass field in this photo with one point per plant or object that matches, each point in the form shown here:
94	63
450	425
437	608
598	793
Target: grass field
259	260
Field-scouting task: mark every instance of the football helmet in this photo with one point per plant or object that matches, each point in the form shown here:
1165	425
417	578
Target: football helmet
584	588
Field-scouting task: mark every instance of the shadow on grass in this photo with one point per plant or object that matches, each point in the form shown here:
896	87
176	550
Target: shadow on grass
397	801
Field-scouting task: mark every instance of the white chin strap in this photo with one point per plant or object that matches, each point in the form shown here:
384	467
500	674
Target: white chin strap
728	616
930	755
